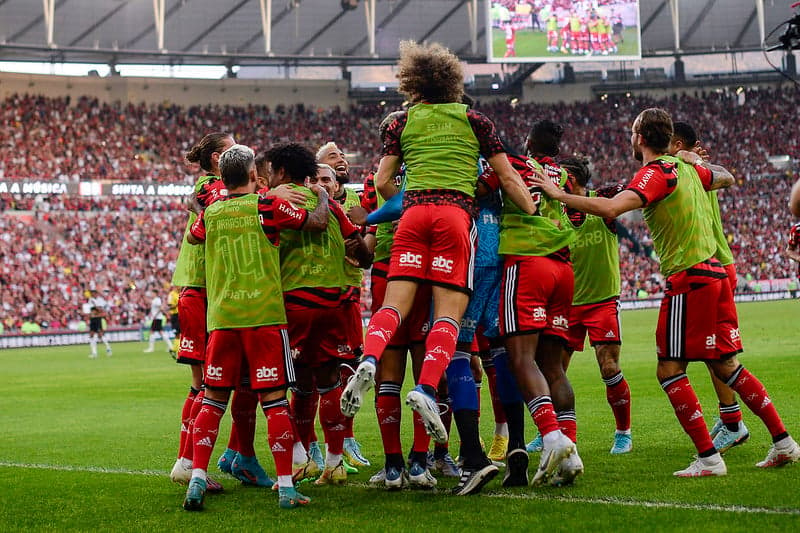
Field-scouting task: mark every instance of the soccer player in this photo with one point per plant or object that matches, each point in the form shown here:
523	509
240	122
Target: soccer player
334	157
174	321
409	337
698	302
482	312
511	37
190	276
156	317
729	429
439	139
312	272
97	315
246	316
535	299
595	303
552	33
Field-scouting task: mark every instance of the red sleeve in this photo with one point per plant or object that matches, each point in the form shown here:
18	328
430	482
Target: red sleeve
198	229
347	227
489	141
794	235
654	181
369	198
391	141
489	179
211	191
706	176
277	214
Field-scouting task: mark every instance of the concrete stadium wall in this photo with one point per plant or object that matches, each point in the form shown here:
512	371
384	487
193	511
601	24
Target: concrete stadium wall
186	92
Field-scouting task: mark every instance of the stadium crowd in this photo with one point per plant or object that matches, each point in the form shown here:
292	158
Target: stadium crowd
86	139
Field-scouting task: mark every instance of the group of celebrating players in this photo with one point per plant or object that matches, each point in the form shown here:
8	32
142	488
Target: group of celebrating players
478	255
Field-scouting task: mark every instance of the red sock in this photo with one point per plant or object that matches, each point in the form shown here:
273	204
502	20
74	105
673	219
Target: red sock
380	330
497	406
568	424
755	397
543	414
731	414
186	419
304	410
439	348
688	410
387	407
188	447
312	436
422	440
331	419
206	428
618	395
243	413
280	435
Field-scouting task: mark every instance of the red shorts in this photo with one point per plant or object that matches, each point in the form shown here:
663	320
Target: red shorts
732	277
263	350
318	335
600	320
414	328
435	243
354	327
536	296
699	324
192	306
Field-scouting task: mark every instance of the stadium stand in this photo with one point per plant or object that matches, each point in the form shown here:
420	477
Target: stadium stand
71	243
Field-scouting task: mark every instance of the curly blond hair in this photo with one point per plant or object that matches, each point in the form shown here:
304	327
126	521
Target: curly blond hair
429	73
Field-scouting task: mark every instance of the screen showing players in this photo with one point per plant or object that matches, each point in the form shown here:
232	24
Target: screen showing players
534	31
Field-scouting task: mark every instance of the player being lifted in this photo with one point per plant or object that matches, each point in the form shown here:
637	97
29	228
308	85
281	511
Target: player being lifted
698	302
246	315
439	140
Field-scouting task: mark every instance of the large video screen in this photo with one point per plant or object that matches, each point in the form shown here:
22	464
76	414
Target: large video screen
535	31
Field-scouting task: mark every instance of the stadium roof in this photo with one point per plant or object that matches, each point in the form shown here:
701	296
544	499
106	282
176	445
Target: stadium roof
321	32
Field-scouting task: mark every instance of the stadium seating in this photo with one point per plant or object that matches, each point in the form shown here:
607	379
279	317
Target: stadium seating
56	247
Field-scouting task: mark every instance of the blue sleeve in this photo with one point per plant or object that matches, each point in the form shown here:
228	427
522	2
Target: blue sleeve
388	212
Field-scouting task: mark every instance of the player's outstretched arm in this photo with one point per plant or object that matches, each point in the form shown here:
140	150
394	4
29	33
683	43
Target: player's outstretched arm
511	182
603	207
720	177
384	177
318	218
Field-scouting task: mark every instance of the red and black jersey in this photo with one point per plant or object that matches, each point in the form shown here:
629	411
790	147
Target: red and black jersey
794	235
275	214
211	191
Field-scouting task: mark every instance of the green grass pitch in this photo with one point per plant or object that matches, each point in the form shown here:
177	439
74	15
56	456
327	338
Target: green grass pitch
87	444
530	43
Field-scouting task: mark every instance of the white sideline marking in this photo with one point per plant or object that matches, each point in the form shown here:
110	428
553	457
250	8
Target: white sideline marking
650	504
93	469
530	496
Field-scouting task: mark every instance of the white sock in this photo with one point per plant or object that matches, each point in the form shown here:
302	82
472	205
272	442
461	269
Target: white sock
285	482
501	429
93	345
166	341
332	459
299	454
108	346
152	341
199	472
